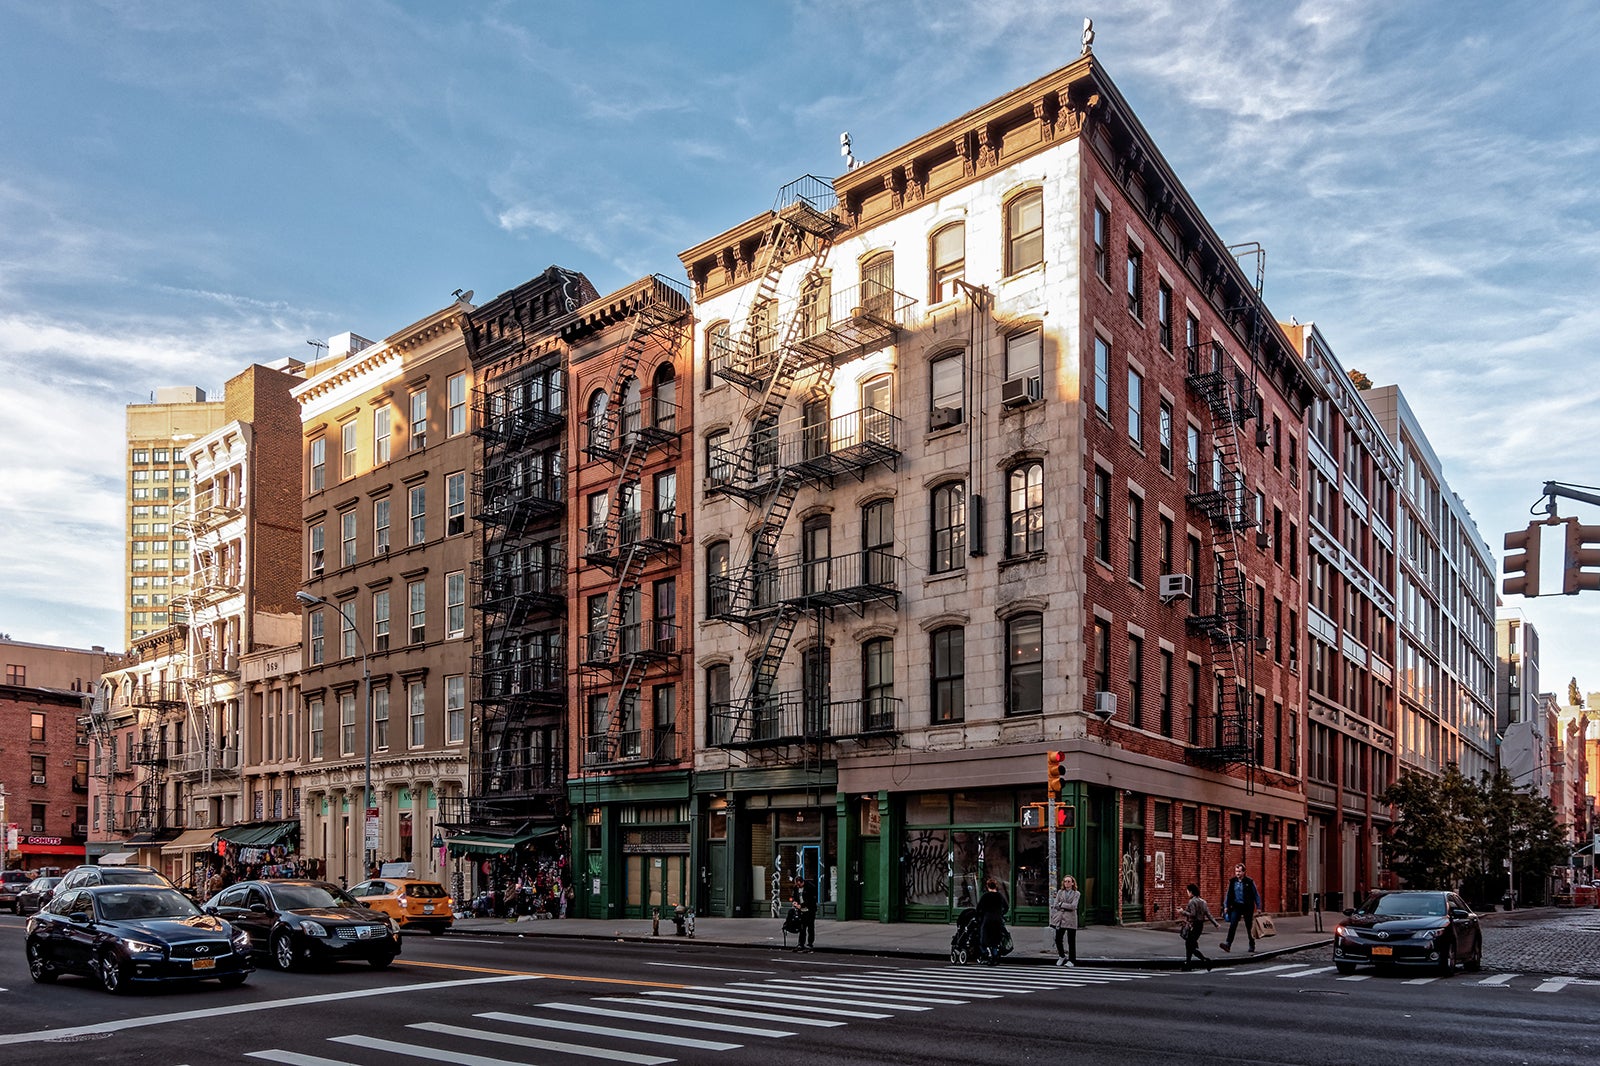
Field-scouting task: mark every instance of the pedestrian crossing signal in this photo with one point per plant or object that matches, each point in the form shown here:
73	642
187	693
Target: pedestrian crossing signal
1035	815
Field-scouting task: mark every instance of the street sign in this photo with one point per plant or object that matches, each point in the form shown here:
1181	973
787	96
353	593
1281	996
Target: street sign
372	829
1035	816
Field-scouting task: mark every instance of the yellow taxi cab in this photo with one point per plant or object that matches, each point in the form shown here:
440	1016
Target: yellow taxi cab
414	903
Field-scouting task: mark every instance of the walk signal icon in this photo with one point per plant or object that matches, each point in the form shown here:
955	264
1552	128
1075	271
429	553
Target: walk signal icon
1035	815
1052	781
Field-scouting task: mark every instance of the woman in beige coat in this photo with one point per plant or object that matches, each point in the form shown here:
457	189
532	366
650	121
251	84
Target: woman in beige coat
1064	920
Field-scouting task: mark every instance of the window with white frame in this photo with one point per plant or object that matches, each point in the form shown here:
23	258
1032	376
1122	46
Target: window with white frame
1102	376
417	598
418	498
419	421
382	426
455	708
380	718
380	620
347	538
1025	509
1135	407
318	637
948	257
456	394
1023	355
455	604
455	502
347	455
380	526
417	698
347	723
314	715
1025	231
319	464
947	381
347	629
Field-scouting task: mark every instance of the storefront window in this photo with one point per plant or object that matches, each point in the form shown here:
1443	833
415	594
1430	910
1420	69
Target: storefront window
928	808
979	856
924	867
985	808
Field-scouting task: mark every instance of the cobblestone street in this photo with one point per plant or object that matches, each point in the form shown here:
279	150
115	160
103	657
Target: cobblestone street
1538	940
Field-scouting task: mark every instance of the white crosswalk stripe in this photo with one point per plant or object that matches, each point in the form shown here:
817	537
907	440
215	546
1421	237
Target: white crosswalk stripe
657	1019
889	984
519	1040
1305	973
885	998
1256	971
295	1058
568	1026
1499	979
804	1008
419	1051
1356	977
856	1000
1420	981
725	1012
1555	984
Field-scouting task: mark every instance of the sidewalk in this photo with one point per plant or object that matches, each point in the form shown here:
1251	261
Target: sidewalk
1151	946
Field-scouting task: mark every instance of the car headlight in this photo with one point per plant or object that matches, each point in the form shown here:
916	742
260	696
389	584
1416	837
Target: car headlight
141	947
392	925
313	929
1427	934
241	940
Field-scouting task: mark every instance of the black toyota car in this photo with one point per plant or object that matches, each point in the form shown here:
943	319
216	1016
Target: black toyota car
1409	928
313	922
125	936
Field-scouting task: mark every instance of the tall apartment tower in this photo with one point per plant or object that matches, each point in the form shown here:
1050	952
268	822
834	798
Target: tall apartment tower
1352	471
387	451
1445	599
156	558
514	804
996	435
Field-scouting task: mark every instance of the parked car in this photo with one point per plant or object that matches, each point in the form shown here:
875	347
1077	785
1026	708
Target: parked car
11	883
299	921
129	935
1409	928
91	875
411	901
39	892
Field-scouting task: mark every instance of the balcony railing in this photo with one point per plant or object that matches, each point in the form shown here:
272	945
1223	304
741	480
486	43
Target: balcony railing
634	642
792	717
632	430
502	678
754	591
633	746
813	451
642	533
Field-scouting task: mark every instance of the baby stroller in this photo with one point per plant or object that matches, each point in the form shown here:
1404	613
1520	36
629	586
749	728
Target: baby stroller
964	944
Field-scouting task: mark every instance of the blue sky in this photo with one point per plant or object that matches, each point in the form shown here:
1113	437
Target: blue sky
186	188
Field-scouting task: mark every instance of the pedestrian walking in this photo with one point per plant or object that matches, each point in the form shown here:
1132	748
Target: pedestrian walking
991	921
1240	905
1196	913
805	904
1064	920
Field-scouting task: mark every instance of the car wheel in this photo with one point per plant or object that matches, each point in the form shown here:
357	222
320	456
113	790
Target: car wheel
1346	968
1447	960
380	962
232	980
282	951
38	968
109	971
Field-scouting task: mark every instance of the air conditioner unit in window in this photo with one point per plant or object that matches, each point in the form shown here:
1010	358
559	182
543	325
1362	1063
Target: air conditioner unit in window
1019	391
1174	587
944	417
1263	539
1105	704
38	779
383	549
1261	436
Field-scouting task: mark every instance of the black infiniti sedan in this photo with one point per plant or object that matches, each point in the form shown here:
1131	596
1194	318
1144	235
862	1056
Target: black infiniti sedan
1409	928
312	922
125	936
39	892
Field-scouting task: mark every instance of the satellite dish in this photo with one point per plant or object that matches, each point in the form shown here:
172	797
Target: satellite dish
464	295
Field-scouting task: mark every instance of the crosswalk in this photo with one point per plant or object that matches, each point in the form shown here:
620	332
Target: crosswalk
645	1028
1295	971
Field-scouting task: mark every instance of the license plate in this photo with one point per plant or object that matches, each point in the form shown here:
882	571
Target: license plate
1382	951
427	908
204	964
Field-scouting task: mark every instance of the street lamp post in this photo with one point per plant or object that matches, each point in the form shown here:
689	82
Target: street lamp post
309	600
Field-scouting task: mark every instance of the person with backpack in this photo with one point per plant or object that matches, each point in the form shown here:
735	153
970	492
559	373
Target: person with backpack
1196	913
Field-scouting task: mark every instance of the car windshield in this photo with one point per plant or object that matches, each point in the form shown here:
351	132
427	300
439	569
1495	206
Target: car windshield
299	897
423	890
110	875
1418	904
43	883
133	906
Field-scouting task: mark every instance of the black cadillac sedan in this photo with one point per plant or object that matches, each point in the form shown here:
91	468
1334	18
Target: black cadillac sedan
313	922
1409	928
125	936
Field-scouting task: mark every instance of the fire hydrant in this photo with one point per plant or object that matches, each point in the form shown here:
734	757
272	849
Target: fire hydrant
683	919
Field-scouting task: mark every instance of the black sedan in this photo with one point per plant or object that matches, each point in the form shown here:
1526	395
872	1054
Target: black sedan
125	936
1409	928
311	922
39	892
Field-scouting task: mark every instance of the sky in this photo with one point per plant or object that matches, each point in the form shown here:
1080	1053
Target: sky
187	188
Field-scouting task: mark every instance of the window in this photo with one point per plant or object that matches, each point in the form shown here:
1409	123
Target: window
664	398
1164	544
816	539
949	674
419	420
1164	315
141	455
419	514
455	502
665	597
877	284
1102	515
1136	680
314	713
319	464
318	637
347	456
1102	377
1025	664
455	604
664	722
456	395
347	629
1136	407
1135	281
947	384
877	684
599	426
1191	340
380	620
1102	655
1023	355
666	507
1025	509
347	723
417	703
949	259
382	426
380	719
1164	433
455	708
717	590
1164	695
417	597
347	538
718	703
877	542
1025	232
816	304
719	350
36	725
1102	243
1192	459
1135	538
949	527
380	526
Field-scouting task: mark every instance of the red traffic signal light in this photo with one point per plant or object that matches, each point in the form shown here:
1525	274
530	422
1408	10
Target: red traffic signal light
1583	551
1053	774
1522	562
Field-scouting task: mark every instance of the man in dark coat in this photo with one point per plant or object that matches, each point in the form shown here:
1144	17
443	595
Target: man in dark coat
1240	904
992	918
805	903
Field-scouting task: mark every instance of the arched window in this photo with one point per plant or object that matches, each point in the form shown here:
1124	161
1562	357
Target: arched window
877	285
947	259
599	426
717	589
815	300
632	408
719	706
664	399
719	459
1025	509
719	349
1025	664
949	527
1025	231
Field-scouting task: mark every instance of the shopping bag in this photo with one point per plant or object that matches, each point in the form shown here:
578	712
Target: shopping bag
791	921
1262	927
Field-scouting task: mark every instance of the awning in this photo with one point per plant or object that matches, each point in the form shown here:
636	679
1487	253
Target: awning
51	849
118	858
155	836
192	840
489	844
258	834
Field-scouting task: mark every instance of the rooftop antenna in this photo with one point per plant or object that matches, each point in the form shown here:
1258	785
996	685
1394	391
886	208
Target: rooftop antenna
323	345
850	161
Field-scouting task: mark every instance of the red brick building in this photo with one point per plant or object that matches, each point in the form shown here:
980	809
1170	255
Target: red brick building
44	771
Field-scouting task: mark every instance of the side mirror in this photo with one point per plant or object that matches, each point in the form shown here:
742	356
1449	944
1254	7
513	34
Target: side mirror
1459	913
210	910
1350	912
258	908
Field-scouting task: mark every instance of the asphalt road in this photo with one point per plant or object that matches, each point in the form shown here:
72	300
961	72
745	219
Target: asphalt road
490	1001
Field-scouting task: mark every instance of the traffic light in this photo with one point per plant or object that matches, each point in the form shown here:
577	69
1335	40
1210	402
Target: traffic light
1052	779
1583	550
1522	562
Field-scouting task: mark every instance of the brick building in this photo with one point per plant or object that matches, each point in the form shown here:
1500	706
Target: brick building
44	775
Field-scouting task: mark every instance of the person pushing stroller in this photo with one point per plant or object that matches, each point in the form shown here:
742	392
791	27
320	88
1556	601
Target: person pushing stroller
991	910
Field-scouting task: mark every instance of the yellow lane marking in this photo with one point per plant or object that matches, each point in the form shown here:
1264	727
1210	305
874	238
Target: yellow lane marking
547	976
